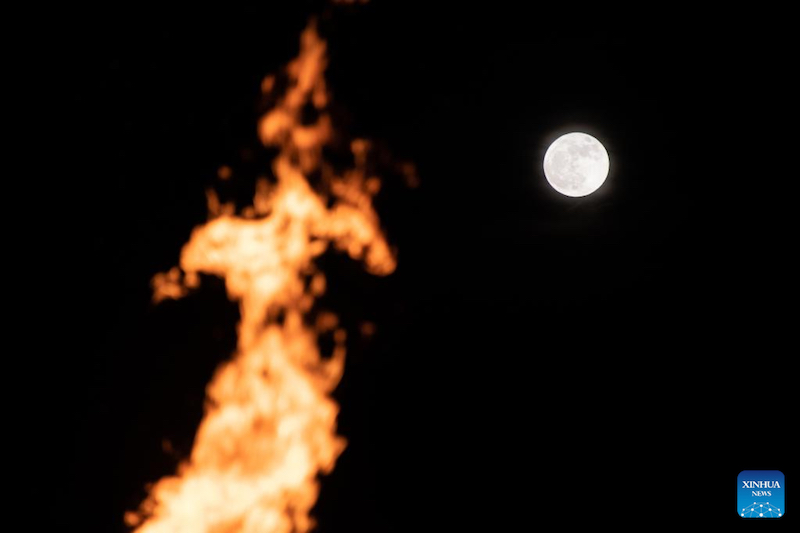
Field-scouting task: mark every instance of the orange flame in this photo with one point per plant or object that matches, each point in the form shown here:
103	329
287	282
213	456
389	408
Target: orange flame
269	427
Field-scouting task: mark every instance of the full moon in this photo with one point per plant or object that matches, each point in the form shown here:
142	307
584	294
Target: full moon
576	164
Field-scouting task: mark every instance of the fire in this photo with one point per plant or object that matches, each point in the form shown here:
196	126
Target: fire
269	427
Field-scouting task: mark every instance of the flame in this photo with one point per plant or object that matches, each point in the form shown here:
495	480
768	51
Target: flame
269	427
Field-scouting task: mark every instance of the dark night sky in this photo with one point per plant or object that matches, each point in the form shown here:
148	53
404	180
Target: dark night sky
529	346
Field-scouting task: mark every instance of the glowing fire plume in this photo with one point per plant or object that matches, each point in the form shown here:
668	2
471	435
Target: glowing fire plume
269	427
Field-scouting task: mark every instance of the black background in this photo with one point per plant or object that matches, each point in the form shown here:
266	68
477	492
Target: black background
537	356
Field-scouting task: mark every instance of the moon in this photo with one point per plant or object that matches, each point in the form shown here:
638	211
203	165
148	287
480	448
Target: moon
576	164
